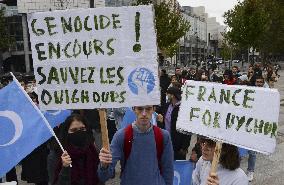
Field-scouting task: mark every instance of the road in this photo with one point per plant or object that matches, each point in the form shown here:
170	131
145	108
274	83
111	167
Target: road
269	170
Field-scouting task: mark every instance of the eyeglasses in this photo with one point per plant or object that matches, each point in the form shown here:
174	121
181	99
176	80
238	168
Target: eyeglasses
146	109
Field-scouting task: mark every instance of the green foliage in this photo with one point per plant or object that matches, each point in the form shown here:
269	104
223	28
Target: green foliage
273	39
226	51
171	50
5	39
257	24
170	25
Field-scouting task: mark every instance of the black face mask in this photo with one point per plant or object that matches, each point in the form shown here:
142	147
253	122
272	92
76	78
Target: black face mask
79	138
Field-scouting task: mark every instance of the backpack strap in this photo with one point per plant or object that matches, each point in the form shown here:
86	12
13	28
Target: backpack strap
128	139
159	144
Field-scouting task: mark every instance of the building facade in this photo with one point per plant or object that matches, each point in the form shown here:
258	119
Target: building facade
202	39
19	58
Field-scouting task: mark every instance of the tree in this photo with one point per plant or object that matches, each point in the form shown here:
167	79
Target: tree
226	51
248	22
171	50
170	25
273	39
257	24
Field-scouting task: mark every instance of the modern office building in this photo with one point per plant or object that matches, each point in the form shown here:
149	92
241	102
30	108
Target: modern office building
203	38
18	57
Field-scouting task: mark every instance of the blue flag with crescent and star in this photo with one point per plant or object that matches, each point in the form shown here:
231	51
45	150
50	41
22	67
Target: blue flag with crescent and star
22	126
183	172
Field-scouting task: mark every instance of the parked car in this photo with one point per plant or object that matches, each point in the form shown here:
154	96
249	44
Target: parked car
220	62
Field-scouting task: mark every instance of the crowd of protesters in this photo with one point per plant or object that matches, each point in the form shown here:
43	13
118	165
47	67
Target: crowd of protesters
255	76
151	132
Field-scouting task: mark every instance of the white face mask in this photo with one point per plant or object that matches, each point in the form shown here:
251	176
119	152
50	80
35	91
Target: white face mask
203	76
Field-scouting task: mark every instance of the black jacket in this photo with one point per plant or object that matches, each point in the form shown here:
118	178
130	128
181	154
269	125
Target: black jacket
179	140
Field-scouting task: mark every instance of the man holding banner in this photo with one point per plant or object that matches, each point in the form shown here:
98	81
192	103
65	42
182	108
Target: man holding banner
150	158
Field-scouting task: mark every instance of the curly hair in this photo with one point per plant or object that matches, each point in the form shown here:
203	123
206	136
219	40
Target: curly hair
230	157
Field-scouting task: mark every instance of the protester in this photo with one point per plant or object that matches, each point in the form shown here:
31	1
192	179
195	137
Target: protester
228	78
77	139
178	74
251	76
164	84
204	76
259	82
196	151
235	71
130	117
174	81
213	77
144	151
34	166
183	77
23	84
180	141
53	157
192	74
270	76
11	176
228	171
257	69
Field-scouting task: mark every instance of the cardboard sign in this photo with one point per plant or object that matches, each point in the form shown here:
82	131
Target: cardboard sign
240	115
95	58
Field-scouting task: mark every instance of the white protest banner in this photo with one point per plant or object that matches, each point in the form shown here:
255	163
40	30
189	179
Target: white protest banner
95	58
240	115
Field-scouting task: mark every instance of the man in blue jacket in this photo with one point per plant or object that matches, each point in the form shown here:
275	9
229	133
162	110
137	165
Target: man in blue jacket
144	163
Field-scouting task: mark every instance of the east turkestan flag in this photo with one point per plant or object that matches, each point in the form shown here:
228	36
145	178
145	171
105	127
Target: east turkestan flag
22	126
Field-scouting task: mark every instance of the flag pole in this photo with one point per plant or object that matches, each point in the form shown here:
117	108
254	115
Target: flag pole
37	109
216	158
104	130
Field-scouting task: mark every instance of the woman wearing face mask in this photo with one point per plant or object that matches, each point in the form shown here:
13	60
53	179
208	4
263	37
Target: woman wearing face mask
76	137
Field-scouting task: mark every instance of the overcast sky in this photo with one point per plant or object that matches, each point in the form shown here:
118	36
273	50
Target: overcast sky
215	8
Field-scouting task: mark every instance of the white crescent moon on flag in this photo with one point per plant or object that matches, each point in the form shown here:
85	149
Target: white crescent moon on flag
55	112
17	122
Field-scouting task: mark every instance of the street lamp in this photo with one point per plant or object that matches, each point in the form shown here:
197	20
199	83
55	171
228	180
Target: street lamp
197	50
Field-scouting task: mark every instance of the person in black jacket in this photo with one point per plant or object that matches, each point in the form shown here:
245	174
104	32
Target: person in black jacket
180	141
165	81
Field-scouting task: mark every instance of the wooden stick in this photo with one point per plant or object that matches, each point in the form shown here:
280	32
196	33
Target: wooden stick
103	122
217	153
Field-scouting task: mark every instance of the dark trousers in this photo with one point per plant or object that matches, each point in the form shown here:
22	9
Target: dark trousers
11	175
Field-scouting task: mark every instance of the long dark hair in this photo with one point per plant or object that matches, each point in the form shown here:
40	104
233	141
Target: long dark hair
230	157
65	127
